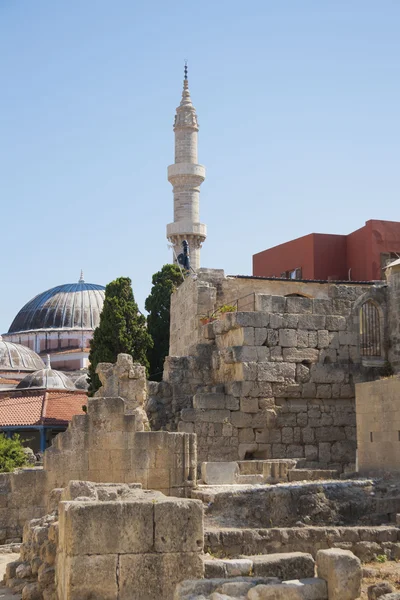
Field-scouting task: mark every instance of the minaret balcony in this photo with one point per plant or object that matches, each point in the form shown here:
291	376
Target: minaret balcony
189	170
186	228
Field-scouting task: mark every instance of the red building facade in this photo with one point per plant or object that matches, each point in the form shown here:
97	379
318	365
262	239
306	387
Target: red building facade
359	256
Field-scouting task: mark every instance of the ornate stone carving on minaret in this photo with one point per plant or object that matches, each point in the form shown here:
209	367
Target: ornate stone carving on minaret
186	176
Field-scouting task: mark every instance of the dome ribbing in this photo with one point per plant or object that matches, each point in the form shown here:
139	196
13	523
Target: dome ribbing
72	305
15	357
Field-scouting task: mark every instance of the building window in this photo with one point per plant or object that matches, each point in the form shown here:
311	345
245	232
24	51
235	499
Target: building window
370	330
292	274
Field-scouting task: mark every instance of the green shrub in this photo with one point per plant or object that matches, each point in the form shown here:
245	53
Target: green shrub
12	453
381	558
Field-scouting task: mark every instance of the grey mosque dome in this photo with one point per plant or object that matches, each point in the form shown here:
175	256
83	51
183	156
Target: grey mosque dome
15	357
46	378
68	306
82	383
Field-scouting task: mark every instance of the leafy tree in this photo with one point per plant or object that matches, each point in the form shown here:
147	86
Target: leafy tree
12	453
121	329
158	306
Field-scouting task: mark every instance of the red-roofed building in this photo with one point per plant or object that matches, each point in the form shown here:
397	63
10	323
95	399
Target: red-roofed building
38	415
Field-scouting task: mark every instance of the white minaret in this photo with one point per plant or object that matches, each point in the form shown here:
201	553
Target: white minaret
186	176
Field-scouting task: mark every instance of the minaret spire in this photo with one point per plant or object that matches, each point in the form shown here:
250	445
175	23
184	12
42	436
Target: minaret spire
186	176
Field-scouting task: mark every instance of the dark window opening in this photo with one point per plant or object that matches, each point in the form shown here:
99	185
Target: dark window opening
370	330
292	274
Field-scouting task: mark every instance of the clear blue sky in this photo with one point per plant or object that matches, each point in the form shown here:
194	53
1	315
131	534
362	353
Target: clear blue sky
298	104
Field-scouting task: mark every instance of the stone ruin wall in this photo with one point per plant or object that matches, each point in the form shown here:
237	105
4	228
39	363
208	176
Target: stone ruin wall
378	426
275	382
201	296
108	444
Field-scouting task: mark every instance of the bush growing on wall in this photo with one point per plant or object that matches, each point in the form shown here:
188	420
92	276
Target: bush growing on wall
12	453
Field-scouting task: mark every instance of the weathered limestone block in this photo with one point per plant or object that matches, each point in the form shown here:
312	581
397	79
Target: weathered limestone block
299	305
178	525
313	322
327	374
288	338
146	544
342	571
303	589
293	565
335	323
299	355
209	401
377	590
274	371
127	380
218	473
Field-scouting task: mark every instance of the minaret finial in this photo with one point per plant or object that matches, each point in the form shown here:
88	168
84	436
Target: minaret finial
186	70
81	279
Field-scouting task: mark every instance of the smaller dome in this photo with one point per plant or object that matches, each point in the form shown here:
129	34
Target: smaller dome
82	383
15	357
47	378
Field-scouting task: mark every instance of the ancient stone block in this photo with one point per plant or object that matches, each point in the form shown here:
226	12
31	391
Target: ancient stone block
287	435
151	576
342	572
324	391
275	371
300	589
294	565
84	577
219	473
124	527
178	525
246	435
272	337
326	374
299	305
287	338
313	322
209	401
240	419
249	405
276	354
205	416
323	338
300	354
302	338
311	452
260	336
278	304
276	321
322	306
335	323
312	339
324	452
232	403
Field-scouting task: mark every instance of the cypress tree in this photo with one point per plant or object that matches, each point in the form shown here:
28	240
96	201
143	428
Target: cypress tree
158	305
121	329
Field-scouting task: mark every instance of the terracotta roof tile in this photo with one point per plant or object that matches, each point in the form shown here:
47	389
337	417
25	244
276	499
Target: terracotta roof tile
61	406
40	408
23	410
